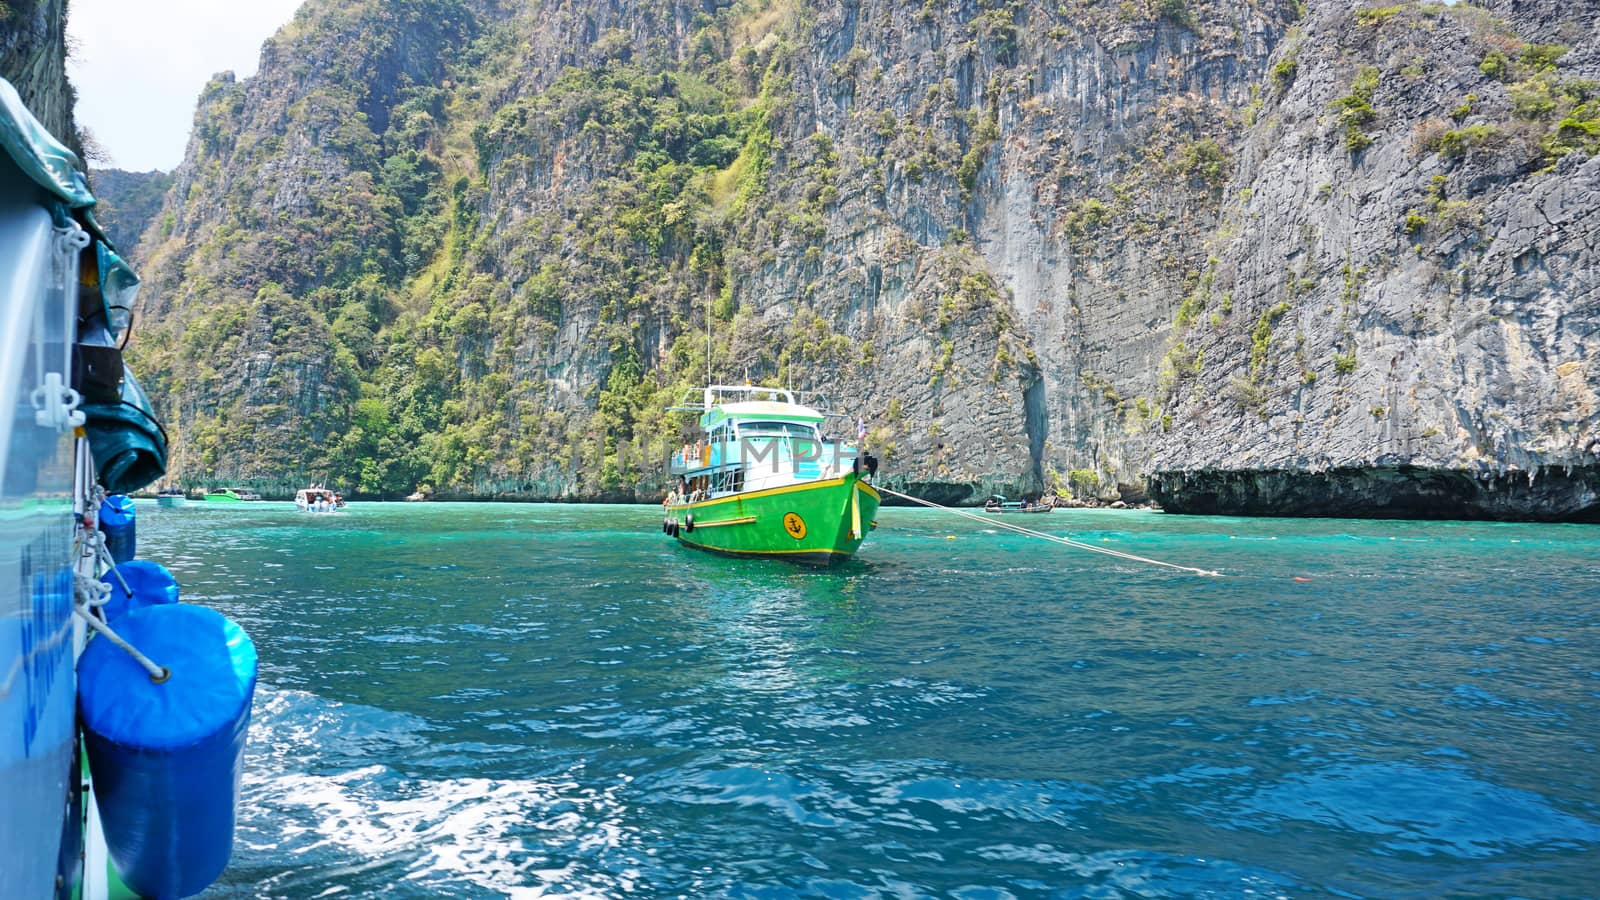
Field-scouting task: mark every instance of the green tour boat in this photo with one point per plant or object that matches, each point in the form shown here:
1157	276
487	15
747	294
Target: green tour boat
231	495
764	481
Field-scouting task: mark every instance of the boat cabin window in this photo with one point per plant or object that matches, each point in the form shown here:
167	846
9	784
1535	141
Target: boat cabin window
730	481
778	429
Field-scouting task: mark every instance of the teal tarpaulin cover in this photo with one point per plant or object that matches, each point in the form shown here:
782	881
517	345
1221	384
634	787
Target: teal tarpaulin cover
38	154
128	442
119	288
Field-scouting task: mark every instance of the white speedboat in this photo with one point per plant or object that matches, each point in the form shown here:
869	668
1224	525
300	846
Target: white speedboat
318	500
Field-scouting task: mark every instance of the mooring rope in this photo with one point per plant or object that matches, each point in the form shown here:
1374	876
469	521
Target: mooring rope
1049	537
94	541
158	674
92	593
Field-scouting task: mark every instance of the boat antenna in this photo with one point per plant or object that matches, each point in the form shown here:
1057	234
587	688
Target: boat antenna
708	341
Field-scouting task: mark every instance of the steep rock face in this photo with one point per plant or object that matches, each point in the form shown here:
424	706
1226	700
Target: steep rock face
265	272
1416	252
1068	157
1031	245
127	202
33	57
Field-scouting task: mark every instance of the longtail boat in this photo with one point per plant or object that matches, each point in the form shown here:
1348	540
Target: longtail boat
763	480
999	504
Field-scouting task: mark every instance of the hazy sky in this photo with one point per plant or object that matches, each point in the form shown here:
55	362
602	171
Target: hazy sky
139	66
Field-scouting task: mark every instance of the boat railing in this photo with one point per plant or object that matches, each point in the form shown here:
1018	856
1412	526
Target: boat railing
699	400
690	458
704	398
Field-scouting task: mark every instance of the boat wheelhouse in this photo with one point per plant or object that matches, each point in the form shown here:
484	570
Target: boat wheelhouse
764	479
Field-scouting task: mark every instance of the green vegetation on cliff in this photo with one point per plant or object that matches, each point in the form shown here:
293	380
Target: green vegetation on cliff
407	319
126	203
476	248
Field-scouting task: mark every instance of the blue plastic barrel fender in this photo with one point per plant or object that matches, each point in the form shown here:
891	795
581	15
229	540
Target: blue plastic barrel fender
166	758
118	522
150	583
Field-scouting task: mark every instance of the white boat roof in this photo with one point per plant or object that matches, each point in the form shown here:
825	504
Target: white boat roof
765	410
741	402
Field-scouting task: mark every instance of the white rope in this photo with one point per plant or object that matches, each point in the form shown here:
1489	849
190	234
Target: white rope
92	593
94	540
1049	537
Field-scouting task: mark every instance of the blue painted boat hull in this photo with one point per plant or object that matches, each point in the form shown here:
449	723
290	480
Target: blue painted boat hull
37	747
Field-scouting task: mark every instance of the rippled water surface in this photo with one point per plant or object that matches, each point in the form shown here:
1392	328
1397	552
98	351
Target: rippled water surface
542	700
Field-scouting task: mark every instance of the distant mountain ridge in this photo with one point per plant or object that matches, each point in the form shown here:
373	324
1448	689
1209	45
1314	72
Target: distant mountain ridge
127	203
1222	249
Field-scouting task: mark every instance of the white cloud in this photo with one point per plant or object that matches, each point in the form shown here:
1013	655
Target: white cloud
139	66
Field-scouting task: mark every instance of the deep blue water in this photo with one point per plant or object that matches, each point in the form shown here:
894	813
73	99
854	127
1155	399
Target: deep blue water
543	700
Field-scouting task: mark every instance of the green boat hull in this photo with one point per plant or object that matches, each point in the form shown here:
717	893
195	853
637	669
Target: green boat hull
819	522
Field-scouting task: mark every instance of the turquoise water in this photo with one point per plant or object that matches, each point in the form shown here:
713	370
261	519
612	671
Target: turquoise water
541	700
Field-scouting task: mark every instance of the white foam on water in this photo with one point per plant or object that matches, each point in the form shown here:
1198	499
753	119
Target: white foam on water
519	837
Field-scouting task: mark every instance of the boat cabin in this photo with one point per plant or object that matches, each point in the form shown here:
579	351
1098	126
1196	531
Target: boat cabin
755	438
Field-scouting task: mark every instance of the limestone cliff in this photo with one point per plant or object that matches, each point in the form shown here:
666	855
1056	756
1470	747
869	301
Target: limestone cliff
1411	250
1246	250
33	57
126	204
